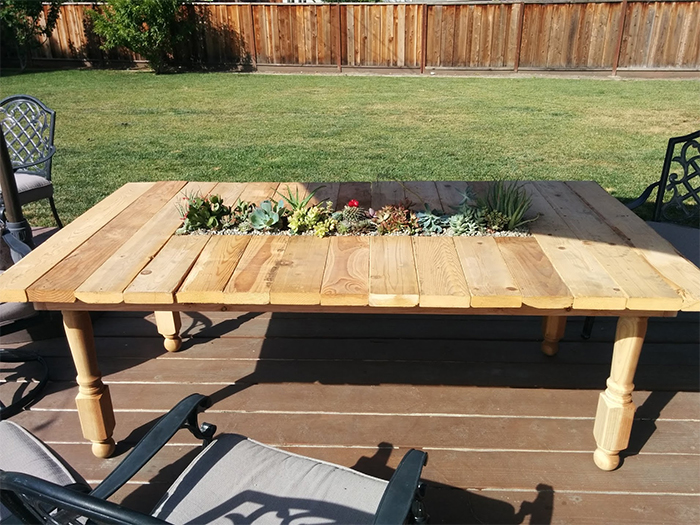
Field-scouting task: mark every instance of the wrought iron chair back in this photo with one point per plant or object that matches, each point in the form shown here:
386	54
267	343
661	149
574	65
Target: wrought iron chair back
679	185
28	126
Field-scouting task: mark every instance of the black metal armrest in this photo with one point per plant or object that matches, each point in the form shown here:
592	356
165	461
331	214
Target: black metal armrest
46	158
400	493
183	415
66	499
644	196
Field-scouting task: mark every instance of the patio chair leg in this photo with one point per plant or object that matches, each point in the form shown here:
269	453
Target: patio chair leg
169	324
587	327
55	212
613	420
93	399
553	328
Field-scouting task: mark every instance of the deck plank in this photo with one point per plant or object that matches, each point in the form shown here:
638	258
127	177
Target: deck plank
392	272
440	276
252	278
300	274
346	276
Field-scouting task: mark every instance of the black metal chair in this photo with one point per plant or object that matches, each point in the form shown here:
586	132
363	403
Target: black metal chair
233	479
677	198
28	126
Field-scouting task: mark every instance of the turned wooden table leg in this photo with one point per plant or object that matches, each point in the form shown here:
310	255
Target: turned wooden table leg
553	330
93	400
169	324
613	420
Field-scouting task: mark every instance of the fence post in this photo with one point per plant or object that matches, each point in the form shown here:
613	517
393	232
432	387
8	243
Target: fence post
519	38
424	39
338	41
616	57
252	28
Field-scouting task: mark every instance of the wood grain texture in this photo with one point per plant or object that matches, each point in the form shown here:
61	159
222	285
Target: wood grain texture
680	273
159	280
392	272
539	283
591	285
346	276
440	277
136	250
206	281
15	280
489	279
642	284
60	282
252	279
300	273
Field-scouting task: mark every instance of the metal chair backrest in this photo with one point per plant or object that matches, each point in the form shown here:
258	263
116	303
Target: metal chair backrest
28	126
683	183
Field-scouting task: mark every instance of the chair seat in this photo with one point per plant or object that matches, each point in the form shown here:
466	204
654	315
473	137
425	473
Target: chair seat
32	188
238	480
22	452
683	238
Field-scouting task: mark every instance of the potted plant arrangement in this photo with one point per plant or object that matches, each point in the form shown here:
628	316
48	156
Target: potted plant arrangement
501	212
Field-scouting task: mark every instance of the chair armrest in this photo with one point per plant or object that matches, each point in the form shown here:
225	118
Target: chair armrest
636	203
183	415
400	493
46	158
65	499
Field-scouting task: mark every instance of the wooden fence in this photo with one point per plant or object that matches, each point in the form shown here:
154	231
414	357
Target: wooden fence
598	35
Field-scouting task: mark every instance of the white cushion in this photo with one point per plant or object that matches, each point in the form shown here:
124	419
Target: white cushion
238	480
32	188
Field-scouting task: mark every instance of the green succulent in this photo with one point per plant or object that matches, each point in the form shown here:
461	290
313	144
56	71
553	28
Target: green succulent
208	213
307	219
267	216
468	200
432	221
354	214
471	222
511	202
396	218
295	202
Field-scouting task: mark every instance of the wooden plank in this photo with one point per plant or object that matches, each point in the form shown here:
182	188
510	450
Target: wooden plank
359	191
401	35
106	284
591	285
642	284
490	282
61	282
538	281
384	192
19	277
422	193
206	281
300	274
256	192
158	281
683	275
440	278
252	279
392	272
346	276
449	192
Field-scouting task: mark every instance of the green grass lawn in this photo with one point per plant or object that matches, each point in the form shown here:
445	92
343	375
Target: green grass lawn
118	126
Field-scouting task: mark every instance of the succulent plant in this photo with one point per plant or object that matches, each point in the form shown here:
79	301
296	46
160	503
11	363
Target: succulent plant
432	221
468	199
396	218
354	214
495	220
267	216
240	212
295	202
308	219
203	213
511	202
471	222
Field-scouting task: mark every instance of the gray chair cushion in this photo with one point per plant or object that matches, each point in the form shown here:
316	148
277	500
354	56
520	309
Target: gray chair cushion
22	452
237	480
32	188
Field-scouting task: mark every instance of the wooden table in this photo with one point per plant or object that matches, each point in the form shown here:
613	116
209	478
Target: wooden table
588	255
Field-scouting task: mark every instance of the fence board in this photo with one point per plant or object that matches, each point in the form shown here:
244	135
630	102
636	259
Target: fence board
656	35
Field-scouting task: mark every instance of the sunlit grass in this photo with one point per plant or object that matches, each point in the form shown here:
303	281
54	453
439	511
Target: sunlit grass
115	126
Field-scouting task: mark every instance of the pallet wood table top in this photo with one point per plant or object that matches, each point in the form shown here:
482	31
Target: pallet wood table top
588	254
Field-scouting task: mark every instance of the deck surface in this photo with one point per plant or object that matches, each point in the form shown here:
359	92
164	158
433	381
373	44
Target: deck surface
507	429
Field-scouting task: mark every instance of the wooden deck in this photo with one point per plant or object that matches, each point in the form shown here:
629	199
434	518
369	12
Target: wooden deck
507	429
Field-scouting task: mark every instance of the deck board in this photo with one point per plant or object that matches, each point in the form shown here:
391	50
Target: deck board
508	429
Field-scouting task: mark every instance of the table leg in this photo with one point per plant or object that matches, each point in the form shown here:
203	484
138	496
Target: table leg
169	324
613	420
553	330
93	399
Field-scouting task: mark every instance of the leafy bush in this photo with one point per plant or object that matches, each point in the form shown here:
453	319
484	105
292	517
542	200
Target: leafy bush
22	25
150	28
203	213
